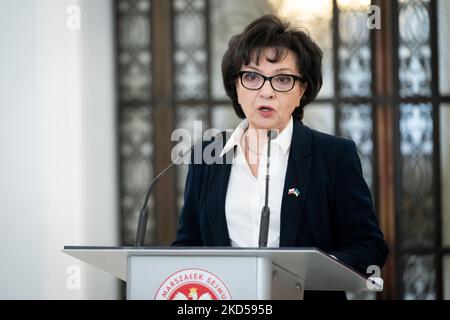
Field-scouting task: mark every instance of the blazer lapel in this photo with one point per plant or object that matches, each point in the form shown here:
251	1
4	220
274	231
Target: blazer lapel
297	176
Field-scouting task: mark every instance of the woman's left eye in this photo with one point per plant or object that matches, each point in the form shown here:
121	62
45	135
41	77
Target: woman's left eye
283	79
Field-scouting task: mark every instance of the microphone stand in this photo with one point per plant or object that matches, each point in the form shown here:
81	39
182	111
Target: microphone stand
143	214
265	212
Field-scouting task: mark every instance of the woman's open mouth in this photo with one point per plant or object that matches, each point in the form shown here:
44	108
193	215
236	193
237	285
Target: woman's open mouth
266	111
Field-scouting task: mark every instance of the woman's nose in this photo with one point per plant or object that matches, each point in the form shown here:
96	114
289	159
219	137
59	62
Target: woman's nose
267	91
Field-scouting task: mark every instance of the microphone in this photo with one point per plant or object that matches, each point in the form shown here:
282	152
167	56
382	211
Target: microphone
143	214
265	212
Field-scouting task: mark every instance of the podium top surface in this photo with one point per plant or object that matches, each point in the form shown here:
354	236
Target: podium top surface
319	270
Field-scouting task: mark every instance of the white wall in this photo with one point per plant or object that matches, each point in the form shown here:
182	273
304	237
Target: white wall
57	142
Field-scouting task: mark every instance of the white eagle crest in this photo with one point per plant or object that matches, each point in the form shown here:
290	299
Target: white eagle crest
193	295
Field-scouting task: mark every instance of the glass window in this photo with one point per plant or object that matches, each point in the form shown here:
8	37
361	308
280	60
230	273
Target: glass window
224	118
419	277
416	220
447	277
356	124
228	18
134	77
414	50
193	120
190	52
445	171
320	116
316	16
444	46
354	54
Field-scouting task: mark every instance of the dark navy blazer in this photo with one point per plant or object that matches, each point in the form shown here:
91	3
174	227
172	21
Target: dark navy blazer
334	211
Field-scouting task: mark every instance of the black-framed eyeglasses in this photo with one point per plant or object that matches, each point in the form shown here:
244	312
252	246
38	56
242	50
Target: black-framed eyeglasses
281	82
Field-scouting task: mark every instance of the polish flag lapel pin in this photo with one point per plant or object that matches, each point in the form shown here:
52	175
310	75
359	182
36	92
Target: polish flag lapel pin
294	191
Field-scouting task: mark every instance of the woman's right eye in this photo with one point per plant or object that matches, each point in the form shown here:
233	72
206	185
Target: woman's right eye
250	76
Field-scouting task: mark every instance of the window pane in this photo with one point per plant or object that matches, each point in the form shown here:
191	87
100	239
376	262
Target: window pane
316	16
190	51
136	154
194	121
228	18
224	118
135	116
417	211
444	46
414	48
419	277
355	57
320	117
446	277
445	171
134	51
356	124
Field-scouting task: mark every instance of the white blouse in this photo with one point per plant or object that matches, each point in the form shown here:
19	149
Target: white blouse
245	194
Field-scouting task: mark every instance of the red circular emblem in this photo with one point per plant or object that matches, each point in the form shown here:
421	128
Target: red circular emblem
193	284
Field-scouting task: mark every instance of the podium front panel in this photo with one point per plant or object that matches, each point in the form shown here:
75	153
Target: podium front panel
193	278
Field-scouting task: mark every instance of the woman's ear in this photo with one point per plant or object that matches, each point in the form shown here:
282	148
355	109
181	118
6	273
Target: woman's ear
305	86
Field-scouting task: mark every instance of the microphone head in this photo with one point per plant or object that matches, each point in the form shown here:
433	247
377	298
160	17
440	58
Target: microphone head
272	134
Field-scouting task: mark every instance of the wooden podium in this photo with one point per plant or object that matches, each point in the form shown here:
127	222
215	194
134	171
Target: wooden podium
186	273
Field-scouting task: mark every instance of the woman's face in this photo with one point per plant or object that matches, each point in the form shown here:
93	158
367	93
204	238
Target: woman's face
267	108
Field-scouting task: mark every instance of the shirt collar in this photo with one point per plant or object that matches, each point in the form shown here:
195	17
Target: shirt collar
283	139
235	137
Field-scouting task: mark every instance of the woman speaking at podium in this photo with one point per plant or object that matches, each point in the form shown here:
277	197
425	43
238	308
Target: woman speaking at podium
318	196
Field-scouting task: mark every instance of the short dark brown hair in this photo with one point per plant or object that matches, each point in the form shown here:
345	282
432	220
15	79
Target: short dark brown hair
270	32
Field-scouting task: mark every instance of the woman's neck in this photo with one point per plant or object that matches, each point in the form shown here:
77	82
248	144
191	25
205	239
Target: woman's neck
259	135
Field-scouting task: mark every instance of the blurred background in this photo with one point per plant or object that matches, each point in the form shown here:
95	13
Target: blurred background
91	91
